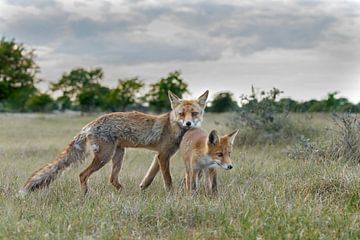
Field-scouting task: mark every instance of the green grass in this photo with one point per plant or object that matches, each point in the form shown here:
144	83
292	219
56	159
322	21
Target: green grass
266	195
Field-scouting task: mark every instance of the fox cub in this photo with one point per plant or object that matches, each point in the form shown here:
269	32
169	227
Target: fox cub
202	152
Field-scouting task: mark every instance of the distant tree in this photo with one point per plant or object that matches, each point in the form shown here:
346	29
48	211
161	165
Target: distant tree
40	103
307	105
17	74
158	94
331	102
327	105
334	104
63	103
223	102
16	101
72	83
288	105
124	95
357	107
344	105
92	97
83	86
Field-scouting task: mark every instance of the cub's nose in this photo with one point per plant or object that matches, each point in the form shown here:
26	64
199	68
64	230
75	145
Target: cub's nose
188	123
230	167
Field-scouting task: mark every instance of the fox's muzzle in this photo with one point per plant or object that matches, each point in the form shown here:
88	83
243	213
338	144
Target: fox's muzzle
224	166
191	123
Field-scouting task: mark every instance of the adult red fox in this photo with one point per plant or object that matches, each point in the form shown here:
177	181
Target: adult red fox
202	152
108	136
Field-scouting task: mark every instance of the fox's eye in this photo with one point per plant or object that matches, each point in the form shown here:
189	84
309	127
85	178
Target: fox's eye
219	154
182	114
194	114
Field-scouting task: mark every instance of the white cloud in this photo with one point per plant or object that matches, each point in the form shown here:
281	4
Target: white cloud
306	48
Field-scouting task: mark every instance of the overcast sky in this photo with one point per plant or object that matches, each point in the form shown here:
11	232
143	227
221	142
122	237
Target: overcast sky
305	48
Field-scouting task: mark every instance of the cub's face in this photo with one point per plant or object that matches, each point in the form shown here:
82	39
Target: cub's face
220	148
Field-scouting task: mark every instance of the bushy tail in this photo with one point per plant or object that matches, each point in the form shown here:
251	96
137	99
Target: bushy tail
73	153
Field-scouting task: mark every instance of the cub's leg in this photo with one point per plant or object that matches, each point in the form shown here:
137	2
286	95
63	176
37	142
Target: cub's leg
213	178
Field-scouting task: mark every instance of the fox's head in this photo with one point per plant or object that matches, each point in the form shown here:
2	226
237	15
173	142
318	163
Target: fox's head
219	148
188	113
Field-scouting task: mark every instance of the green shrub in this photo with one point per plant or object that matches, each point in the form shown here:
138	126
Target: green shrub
40	103
223	102
262	120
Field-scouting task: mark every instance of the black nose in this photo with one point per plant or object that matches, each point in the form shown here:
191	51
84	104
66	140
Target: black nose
188	124
230	167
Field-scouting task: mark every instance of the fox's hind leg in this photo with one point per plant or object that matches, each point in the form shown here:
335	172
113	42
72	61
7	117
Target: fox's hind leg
117	161
103	151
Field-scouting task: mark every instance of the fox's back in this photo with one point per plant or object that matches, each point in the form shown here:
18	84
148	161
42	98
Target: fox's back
134	127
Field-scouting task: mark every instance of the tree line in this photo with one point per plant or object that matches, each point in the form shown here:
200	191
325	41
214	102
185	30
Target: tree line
83	90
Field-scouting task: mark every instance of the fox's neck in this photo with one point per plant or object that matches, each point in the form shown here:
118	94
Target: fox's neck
174	126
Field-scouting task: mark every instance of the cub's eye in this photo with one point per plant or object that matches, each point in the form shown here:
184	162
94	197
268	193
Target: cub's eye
219	154
194	114
182	114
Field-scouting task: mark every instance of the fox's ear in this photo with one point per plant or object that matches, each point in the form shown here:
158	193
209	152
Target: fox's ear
213	137
233	135
202	99
174	100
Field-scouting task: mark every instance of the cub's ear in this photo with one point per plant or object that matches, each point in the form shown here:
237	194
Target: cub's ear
233	135
174	100
202	99
213	138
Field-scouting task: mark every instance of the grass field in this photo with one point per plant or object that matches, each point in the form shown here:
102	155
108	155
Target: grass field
265	196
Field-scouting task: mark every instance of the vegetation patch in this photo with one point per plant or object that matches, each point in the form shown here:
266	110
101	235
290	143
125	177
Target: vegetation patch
341	142
262	119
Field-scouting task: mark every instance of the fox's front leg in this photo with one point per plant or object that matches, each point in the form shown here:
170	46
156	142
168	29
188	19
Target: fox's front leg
151	173
164	163
194	181
188	182
207	181
214	180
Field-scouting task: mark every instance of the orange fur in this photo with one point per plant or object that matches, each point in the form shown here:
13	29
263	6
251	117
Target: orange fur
202	152
108	136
